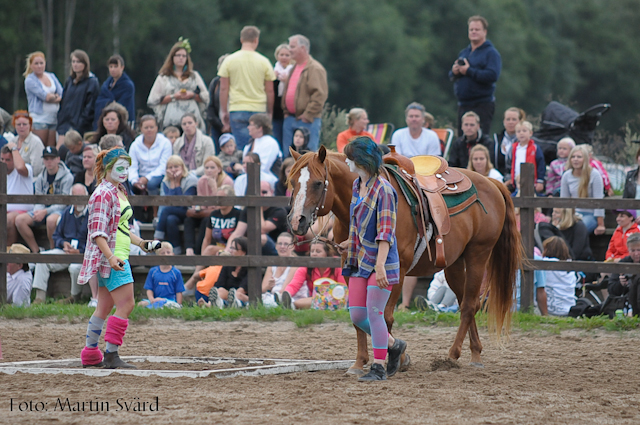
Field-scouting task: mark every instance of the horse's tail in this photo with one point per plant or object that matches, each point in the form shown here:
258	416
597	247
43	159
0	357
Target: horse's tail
504	263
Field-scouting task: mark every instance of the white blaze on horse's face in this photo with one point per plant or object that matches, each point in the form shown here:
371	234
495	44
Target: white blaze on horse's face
301	198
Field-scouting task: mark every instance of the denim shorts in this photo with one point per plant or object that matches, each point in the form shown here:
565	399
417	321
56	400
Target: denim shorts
116	279
42	126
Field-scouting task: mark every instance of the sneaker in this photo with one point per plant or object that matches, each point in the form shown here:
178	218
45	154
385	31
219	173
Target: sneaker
402	307
285	300
215	299
395	352
377	373
421	303
93	303
276	298
231	298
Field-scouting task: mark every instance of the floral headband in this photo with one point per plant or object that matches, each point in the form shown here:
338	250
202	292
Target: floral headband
184	43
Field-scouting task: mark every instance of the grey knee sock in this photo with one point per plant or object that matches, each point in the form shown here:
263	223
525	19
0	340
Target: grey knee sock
94	329
41	295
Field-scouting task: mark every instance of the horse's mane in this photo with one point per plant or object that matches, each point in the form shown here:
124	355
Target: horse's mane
314	166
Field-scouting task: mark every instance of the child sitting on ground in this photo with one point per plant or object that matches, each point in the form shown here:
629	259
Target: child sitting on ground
526	150
560	286
164	283
209	276
230	157
232	287
556	168
172	133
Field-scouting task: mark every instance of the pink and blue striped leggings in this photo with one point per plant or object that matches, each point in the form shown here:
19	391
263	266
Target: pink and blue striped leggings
366	307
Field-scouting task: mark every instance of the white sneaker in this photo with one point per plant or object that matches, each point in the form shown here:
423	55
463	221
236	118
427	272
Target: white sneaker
93	303
231	298
215	299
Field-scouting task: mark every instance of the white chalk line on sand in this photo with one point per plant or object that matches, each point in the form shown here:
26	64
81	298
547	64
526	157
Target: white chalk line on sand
256	367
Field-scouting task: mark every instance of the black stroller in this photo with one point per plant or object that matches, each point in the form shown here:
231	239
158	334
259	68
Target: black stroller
560	121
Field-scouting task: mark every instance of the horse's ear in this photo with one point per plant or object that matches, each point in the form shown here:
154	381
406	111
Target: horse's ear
322	154
294	154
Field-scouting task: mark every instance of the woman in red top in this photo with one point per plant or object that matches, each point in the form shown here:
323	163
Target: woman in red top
618	244
306	276
357	120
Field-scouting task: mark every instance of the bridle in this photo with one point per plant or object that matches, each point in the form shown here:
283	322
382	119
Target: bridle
323	196
314	215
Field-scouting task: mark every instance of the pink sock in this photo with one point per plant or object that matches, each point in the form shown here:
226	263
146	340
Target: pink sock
116	328
91	356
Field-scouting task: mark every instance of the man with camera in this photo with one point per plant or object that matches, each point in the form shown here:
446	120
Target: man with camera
621	284
475	73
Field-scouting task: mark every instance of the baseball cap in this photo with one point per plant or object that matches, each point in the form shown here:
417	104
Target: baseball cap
630	213
225	138
51	152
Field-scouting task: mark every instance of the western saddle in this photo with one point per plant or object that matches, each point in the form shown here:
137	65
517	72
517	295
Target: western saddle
430	178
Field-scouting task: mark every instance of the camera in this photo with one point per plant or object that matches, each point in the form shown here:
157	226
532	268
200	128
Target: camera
628	276
460	62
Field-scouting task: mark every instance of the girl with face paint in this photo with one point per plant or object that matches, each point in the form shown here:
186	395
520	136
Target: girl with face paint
107	254
372	261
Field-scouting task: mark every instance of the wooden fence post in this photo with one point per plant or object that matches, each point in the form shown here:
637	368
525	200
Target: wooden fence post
3	233
526	229
254	232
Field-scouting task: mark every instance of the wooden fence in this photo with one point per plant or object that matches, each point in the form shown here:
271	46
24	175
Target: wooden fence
528	202
254	261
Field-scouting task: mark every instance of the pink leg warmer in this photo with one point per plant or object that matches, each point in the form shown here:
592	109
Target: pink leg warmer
116	328
91	356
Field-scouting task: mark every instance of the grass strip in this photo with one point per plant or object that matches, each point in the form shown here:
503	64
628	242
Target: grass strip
304	318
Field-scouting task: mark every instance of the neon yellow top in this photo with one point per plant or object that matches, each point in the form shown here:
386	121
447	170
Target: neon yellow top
123	240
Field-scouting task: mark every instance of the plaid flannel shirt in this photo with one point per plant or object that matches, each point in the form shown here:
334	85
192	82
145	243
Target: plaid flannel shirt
104	215
373	220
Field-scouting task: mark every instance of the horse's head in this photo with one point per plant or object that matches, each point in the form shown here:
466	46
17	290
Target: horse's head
312	194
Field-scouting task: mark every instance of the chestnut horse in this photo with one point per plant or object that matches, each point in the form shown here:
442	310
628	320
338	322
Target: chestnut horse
480	245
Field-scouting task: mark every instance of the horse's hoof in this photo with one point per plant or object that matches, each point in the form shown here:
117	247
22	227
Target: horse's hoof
353	371
406	363
477	364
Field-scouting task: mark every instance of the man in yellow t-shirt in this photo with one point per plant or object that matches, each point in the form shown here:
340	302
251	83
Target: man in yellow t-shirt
246	86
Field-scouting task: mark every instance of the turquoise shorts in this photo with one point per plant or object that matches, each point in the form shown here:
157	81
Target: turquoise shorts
116	279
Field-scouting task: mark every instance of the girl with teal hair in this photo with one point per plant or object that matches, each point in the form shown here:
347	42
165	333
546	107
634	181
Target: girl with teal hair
372	261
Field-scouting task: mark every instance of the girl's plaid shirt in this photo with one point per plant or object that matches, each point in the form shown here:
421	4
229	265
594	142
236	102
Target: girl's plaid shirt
104	215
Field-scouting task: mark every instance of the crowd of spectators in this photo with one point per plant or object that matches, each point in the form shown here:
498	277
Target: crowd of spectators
200	138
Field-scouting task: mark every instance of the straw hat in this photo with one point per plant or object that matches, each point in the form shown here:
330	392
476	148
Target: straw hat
18	248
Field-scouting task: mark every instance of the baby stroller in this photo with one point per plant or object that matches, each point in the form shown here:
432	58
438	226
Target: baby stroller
560	121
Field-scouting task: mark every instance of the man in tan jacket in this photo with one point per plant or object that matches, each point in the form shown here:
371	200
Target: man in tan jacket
305	93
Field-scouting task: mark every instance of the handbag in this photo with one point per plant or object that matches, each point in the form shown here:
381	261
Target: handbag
329	295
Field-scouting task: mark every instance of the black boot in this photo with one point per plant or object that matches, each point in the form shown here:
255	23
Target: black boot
395	352
113	361
377	373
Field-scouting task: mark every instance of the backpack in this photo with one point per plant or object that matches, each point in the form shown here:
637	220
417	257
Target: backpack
613	303
584	308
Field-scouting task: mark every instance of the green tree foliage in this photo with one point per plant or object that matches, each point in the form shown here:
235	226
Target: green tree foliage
379	54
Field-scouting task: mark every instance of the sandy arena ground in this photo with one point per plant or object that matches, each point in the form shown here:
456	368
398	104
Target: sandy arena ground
577	377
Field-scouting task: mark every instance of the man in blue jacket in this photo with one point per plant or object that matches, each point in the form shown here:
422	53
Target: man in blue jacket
475	74
118	88
70	237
